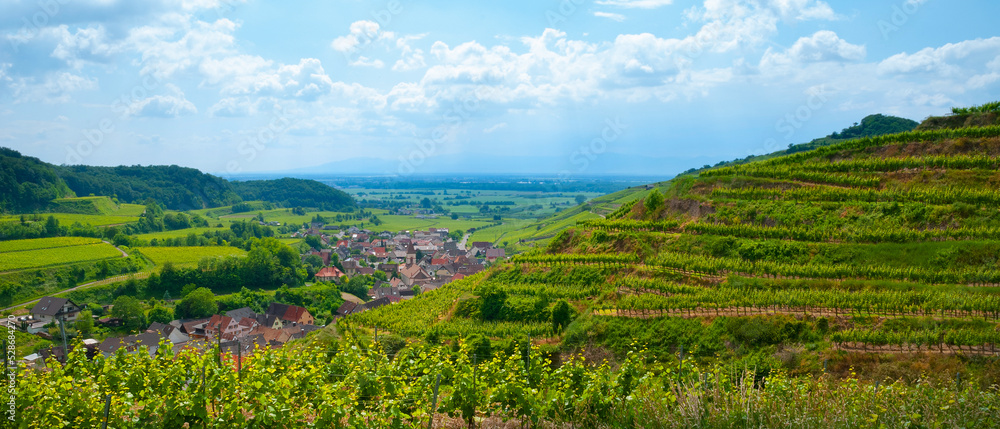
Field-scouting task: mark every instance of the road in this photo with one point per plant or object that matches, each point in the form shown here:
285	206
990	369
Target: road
461	245
125	276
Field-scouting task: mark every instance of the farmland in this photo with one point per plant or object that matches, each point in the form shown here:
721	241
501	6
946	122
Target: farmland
45	243
51	256
187	256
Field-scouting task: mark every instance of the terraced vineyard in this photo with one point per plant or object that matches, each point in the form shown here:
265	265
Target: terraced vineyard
824	248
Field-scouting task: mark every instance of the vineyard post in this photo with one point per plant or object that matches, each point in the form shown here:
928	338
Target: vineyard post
218	342
62	329
680	364
434	403
107	409
475	389
239	360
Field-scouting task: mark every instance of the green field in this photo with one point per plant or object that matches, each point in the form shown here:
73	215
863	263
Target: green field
45	243
46	257
187	255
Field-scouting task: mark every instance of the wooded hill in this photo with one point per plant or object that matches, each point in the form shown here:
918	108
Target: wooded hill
29	185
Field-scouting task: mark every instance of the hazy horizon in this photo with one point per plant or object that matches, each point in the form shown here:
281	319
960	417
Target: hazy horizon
571	88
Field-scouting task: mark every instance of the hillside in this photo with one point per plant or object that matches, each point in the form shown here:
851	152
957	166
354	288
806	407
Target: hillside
30	185
27	184
530	235
870	126
880	244
289	192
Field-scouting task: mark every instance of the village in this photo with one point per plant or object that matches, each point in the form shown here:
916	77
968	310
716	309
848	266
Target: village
404	265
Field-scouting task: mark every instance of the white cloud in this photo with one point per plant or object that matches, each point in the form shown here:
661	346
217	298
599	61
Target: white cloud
411	58
166	51
802	10
55	88
636	4
234	107
363	61
362	33
823	46
612	16
164	106
953	59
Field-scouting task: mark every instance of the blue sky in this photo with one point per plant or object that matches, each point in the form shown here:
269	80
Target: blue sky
571	87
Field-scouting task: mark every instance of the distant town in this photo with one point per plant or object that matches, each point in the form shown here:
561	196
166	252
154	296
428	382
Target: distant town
404	264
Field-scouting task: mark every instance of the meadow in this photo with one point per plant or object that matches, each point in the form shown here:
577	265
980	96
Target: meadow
187	256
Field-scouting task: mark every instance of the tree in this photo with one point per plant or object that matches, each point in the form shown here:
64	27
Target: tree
580	199
314	242
653	201
314	260
426	203
161	314
454	216
130	311
197	304
561	314
492	302
52	226
85	323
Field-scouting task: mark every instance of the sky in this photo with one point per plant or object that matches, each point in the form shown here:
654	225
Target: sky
399	87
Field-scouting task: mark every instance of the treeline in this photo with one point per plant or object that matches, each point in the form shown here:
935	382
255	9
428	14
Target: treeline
28	185
177	188
269	265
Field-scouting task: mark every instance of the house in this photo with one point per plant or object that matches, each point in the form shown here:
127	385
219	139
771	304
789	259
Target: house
50	309
240	313
269	321
169	332
413	274
222	325
194	328
388	269
493	254
365	271
244	346
349	307
290	313
148	342
482	245
329	274
371	305
386	292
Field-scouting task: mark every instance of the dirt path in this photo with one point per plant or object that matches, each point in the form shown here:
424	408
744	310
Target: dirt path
124	255
115	279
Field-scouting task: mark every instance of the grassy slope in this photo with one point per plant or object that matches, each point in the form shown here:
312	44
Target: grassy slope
658	287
